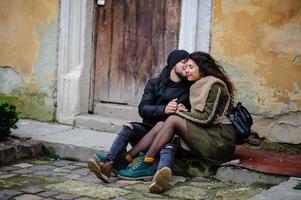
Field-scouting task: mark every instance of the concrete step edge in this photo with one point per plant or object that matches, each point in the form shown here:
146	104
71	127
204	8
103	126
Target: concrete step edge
125	112
99	123
70	151
246	176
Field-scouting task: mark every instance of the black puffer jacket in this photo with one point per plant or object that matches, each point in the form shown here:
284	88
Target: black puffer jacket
158	93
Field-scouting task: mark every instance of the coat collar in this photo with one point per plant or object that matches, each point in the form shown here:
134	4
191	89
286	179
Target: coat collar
199	92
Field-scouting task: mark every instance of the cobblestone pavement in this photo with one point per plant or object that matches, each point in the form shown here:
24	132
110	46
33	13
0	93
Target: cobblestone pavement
62	179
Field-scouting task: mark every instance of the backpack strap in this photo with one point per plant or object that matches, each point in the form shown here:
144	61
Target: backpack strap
228	103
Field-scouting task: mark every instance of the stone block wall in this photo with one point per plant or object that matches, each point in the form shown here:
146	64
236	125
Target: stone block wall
259	45
28	56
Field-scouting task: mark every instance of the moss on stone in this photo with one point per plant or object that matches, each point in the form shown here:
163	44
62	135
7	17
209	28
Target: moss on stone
139	187
30	105
209	185
237	193
281	147
187	192
268	145
193	168
45	160
96	191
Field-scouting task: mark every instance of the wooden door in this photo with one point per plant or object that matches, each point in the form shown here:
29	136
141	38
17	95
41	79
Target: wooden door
134	38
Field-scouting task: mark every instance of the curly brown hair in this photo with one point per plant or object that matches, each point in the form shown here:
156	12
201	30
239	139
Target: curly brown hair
209	67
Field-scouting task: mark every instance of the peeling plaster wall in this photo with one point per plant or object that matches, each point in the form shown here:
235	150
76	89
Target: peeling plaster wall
28	56
259	44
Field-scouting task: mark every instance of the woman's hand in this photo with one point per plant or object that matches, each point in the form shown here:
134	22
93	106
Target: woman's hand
181	107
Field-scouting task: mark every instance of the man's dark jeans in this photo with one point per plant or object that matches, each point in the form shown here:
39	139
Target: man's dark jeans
132	136
127	136
167	155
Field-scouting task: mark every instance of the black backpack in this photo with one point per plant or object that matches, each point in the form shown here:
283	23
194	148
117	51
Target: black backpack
242	121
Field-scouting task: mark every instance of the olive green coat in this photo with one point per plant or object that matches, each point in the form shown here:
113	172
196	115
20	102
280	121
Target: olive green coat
212	135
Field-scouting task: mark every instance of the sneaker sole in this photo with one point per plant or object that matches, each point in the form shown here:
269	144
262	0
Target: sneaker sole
93	166
141	178
161	180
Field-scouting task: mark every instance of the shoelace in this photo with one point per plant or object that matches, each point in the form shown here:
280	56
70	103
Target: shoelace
138	163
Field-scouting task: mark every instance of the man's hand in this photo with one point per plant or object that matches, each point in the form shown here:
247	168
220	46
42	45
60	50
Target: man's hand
171	107
181	107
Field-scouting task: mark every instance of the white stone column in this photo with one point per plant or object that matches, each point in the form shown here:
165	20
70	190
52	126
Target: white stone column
75	59
195	25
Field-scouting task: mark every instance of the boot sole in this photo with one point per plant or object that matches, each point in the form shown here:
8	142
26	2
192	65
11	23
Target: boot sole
141	178
114	170
161	180
93	166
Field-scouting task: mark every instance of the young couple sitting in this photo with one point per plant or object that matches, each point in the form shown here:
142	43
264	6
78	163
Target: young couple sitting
189	99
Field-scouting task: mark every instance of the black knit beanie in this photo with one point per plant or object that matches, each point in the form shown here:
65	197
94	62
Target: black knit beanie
175	56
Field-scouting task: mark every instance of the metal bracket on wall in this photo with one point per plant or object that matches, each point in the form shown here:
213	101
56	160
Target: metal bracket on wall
101	2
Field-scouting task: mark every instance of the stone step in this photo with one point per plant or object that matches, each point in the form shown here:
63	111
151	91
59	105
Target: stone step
248	177
65	141
284	190
117	111
100	123
14	149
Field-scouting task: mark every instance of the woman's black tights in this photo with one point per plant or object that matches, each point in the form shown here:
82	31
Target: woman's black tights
161	135
146	141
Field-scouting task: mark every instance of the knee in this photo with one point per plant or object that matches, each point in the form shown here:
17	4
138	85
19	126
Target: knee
126	131
158	127
128	126
171	120
168	148
159	124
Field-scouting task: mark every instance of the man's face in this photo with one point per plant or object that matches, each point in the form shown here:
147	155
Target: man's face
180	68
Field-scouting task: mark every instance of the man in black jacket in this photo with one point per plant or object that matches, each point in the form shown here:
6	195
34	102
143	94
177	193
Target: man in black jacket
161	97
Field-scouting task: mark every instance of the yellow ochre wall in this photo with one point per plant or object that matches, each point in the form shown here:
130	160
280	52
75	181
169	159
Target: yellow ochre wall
28	55
259	44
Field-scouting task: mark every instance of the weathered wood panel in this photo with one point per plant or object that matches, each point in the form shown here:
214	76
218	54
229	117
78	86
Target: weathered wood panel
133	40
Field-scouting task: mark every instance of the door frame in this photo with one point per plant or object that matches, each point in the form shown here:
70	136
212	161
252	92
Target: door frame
75	58
75	76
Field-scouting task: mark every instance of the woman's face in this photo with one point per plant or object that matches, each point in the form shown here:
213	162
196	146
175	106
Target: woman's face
192	71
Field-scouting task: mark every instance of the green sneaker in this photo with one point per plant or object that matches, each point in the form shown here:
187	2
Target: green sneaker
100	156
139	171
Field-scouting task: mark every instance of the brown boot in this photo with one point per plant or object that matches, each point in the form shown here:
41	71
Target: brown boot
101	169
161	180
